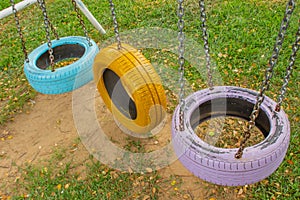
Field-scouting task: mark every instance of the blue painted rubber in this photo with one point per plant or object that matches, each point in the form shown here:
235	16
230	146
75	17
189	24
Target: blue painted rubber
67	78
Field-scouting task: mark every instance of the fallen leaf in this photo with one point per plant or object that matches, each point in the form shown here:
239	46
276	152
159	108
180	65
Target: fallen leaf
146	197
149	170
290	162
173	182
211	133
154	190
67	186
241	191
130	170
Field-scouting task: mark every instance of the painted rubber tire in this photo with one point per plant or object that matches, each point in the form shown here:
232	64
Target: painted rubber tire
219	165
67	78
130	88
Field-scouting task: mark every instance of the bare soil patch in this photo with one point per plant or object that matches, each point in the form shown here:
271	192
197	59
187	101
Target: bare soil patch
33	137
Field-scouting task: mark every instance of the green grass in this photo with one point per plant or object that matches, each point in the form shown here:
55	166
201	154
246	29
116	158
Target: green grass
242	34
100	183
63	178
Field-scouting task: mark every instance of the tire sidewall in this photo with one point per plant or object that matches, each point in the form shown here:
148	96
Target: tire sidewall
48	82
106	60
188	144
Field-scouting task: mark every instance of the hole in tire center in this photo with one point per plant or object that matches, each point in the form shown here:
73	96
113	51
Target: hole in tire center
118	94
221	122
63	53
227	132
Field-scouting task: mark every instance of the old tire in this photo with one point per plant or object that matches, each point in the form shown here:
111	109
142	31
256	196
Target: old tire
130	88
219	165
67	78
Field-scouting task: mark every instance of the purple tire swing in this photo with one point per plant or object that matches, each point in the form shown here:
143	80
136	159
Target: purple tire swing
235	166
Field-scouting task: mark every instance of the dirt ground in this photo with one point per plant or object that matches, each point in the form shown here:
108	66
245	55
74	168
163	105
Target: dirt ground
34	134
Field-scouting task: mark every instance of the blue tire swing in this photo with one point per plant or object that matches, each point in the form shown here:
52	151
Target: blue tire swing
235	166
39	65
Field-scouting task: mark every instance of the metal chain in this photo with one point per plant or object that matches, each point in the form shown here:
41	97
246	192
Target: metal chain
82	22
289	70
268	75
19	30
46	24
116	26
181	61
52	27
53	30
206	46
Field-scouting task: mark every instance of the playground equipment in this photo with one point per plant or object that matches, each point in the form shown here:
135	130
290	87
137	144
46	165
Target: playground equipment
38	62
129	85
23	4
245	165
133	92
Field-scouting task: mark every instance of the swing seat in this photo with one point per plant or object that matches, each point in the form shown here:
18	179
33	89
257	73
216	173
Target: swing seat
130	88
219	165
67	78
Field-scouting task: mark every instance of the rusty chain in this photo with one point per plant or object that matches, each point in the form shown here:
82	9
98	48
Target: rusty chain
289	70
181	61
53	30
47	29
116	25
82	23
268	75
206	46
19	30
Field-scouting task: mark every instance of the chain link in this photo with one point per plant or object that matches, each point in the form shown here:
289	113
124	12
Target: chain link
116	26
52	27
82	23
46	24
53	30
19	30
268	75
181	61
289	70
205	40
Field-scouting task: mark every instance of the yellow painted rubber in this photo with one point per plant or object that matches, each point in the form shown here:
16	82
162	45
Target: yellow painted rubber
141	82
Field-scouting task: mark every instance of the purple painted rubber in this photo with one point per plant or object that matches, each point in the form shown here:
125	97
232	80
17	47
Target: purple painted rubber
219	165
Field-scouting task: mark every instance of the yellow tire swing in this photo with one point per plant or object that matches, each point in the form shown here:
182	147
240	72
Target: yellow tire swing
129	86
